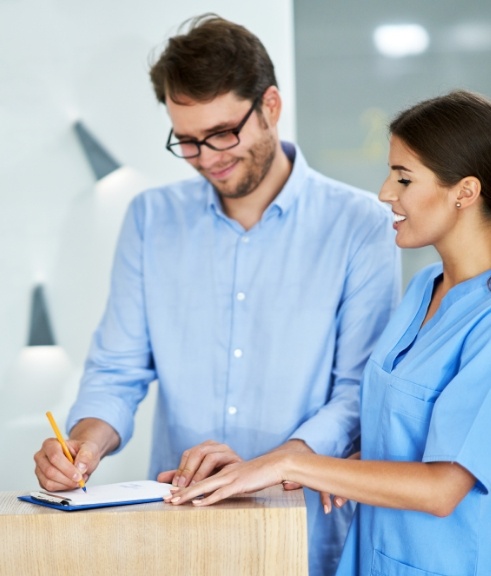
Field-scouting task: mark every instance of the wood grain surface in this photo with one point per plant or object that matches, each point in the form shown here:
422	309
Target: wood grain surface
264	533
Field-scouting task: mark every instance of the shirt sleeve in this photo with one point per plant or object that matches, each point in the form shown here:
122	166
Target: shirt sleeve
119	367
372	290
460	424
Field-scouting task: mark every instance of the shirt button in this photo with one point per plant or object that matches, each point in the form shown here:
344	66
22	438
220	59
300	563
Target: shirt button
245	239
232	410
240	296
238	353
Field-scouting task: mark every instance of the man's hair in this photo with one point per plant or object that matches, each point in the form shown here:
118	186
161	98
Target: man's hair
212	58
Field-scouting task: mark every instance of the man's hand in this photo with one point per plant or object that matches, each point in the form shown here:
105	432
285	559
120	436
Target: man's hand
55	472
200	462
89	441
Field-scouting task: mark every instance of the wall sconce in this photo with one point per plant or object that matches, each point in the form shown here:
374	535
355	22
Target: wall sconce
39	374
101	162
40	332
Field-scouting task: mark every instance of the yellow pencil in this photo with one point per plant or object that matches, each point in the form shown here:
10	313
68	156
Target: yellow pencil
56	430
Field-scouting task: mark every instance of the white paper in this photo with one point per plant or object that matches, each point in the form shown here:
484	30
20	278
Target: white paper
109	493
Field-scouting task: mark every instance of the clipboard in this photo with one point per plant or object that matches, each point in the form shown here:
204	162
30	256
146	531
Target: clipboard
105	495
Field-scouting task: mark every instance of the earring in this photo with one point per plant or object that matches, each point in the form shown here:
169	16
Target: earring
458	205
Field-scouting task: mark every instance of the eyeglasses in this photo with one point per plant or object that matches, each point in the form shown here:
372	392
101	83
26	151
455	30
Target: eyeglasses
218	141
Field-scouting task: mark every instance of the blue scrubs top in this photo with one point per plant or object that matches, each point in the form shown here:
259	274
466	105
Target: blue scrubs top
426	397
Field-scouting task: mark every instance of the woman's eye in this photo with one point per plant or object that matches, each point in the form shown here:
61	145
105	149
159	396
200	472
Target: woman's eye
404	182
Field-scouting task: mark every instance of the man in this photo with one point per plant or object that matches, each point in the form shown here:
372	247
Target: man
254	292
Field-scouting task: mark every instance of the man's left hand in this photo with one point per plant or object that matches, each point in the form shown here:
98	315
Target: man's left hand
199	462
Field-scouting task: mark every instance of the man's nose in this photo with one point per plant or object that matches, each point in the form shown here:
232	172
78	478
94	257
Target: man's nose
208	156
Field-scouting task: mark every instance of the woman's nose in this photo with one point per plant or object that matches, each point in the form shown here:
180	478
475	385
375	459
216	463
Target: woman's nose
387	192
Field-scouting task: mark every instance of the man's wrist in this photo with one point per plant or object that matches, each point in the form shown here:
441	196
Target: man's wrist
295	445
98	432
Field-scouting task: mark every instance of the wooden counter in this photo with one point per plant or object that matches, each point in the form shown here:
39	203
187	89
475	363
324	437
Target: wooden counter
264	533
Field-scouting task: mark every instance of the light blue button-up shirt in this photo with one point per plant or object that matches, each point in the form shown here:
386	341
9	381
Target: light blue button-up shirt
255	336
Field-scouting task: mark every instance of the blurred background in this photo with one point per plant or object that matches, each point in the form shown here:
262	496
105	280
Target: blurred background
344	68
359	62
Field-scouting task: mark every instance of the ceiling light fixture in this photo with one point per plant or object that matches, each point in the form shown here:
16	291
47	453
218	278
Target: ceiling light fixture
399	40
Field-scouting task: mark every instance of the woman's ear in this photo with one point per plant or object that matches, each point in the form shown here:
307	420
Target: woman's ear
468	191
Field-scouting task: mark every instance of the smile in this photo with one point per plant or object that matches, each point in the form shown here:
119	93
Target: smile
398	217
222	173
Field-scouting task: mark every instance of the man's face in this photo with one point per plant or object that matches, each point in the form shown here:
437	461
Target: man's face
238	171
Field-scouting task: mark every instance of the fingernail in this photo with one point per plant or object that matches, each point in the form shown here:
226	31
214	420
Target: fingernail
175	480
175	499
174	489
82	467
327	509
338	501
182	481
77	477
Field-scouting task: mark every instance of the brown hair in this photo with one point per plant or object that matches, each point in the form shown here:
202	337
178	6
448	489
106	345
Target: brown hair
213	57
451	135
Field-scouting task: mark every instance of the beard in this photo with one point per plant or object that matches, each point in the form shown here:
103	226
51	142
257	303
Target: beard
256	164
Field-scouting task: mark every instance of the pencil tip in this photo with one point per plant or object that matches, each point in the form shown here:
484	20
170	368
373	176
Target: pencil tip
84	489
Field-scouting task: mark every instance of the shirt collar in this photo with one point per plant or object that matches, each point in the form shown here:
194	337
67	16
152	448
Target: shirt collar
290	190
294	184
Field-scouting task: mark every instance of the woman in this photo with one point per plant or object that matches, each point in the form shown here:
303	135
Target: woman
425	469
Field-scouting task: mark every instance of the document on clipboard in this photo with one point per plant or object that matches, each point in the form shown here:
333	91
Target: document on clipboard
120	494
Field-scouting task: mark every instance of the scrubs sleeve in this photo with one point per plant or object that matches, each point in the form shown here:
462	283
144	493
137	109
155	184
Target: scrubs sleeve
120	366
460	425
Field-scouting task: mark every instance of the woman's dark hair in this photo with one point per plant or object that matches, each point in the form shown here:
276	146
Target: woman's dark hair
451	135
213	57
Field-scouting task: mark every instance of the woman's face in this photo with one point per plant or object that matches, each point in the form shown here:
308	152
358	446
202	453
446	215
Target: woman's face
424	211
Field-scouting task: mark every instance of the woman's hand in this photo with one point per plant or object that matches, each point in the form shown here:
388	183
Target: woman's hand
238	478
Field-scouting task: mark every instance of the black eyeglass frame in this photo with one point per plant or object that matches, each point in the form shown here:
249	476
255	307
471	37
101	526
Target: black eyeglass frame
198	143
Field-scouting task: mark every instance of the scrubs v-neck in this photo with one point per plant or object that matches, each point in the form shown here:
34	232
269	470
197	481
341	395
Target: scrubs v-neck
426	396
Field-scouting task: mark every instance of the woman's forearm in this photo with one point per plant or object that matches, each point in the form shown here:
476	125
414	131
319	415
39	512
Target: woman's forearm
435	487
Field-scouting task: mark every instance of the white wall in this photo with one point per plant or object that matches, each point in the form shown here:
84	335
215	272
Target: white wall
60	61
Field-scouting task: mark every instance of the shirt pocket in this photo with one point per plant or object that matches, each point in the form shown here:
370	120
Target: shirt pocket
383	565
406	414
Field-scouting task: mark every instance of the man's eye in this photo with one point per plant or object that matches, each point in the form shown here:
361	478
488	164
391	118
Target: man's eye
222	135
404	182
